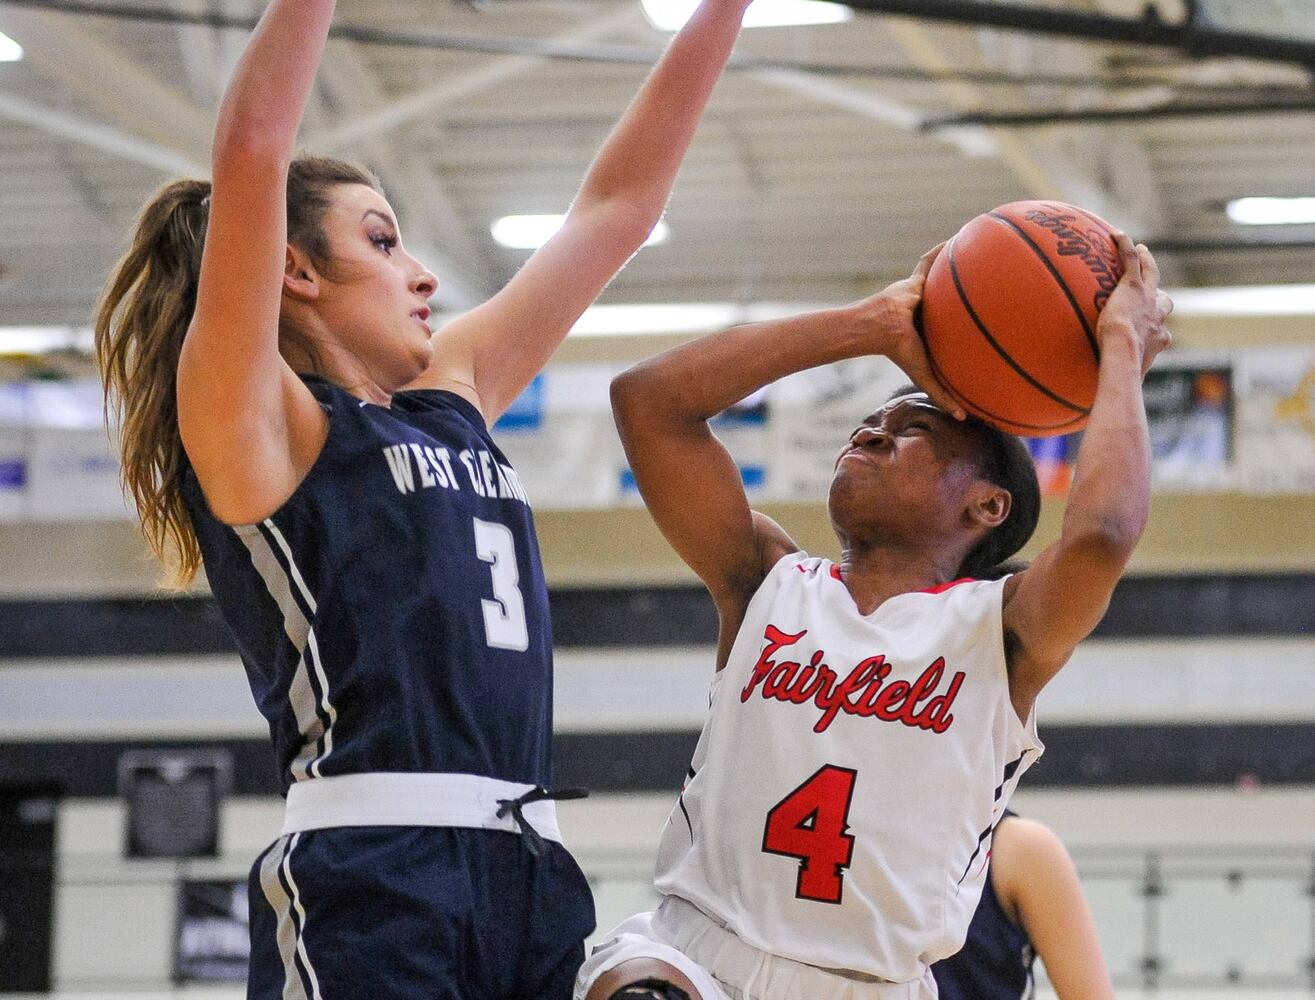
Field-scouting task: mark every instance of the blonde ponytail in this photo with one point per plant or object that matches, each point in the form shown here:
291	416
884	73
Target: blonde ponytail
141	319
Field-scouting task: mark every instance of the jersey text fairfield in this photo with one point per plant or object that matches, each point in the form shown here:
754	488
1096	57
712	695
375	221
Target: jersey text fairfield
861	693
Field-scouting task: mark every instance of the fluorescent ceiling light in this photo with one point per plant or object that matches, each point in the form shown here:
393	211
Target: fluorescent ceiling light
529	232
10	50
1286	19
22	340
670	15
668	318
681	317
663	317
1246	300
1272	211
632	319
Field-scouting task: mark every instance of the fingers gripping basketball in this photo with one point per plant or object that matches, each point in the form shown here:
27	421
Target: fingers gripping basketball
1010	310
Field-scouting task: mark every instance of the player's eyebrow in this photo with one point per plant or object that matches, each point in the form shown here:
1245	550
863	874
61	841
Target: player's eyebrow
374	211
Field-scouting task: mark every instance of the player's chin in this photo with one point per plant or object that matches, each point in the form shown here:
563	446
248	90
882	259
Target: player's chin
851	482
422	356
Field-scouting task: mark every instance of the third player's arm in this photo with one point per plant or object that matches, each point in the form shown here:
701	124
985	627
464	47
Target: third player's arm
1055	603
1038	886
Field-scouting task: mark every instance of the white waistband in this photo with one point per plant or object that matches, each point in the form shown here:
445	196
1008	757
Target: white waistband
747	973
393	798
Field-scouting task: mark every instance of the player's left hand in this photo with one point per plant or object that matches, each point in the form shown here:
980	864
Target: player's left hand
890	316
1137	307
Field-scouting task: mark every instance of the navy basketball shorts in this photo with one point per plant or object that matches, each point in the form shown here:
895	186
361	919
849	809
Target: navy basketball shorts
439	913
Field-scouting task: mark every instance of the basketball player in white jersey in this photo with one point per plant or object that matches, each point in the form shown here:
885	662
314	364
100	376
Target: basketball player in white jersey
869	718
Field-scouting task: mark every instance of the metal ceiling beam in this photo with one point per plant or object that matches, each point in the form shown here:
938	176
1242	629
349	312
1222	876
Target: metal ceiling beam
235	20
113	85
1227	244
1192	36
197	44
971	141
97	136
1047	166
1130	174
1095	116
449	90
435	232
1042	170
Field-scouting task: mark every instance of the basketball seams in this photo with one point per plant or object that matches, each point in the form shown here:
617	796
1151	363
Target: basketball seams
1109	230
1011	426
995	345
1059	279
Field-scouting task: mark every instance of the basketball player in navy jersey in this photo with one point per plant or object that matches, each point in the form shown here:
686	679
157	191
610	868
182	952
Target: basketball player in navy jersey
1032	907
869	718
290	417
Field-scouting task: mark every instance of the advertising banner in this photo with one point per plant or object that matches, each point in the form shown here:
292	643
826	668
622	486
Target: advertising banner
13	450
559	438
1222	421
745	431
1276	420
213	943
1054	458
73	475
814	413
1190	411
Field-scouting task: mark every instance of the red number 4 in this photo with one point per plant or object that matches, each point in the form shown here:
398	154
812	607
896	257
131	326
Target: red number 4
810	824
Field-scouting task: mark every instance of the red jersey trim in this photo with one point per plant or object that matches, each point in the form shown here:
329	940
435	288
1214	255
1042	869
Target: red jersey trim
835	574
946	586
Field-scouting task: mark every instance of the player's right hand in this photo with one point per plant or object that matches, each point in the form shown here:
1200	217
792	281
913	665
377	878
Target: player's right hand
1138	307
890	322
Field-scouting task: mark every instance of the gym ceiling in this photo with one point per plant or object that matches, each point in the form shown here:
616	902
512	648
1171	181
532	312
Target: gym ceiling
831	157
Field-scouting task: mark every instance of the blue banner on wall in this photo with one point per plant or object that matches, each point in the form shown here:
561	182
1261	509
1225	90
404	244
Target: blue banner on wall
526	411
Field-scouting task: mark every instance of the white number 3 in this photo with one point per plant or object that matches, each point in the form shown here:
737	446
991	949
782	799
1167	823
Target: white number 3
504	617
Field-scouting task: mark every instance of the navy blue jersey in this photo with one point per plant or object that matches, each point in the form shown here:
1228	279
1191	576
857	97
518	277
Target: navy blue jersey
996	960
392	614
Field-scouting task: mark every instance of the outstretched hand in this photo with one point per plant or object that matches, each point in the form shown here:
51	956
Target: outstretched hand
890	316
1137	307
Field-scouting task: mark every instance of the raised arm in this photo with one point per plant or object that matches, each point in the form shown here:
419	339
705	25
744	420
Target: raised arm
692	488
236	396
497	348
1038	886
1055	603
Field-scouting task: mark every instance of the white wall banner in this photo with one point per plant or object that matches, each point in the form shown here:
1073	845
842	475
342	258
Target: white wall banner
569	463
14	404
1276	420
13	473
75	405
745	430
559	438
73	475
814	412
1220	421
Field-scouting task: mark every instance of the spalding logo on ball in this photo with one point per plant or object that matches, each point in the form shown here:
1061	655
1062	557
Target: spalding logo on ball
1009	314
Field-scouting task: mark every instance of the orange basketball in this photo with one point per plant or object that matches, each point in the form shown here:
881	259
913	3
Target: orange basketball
1009	314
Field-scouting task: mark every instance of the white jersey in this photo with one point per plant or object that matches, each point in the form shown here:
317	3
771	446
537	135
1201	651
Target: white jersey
841	800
